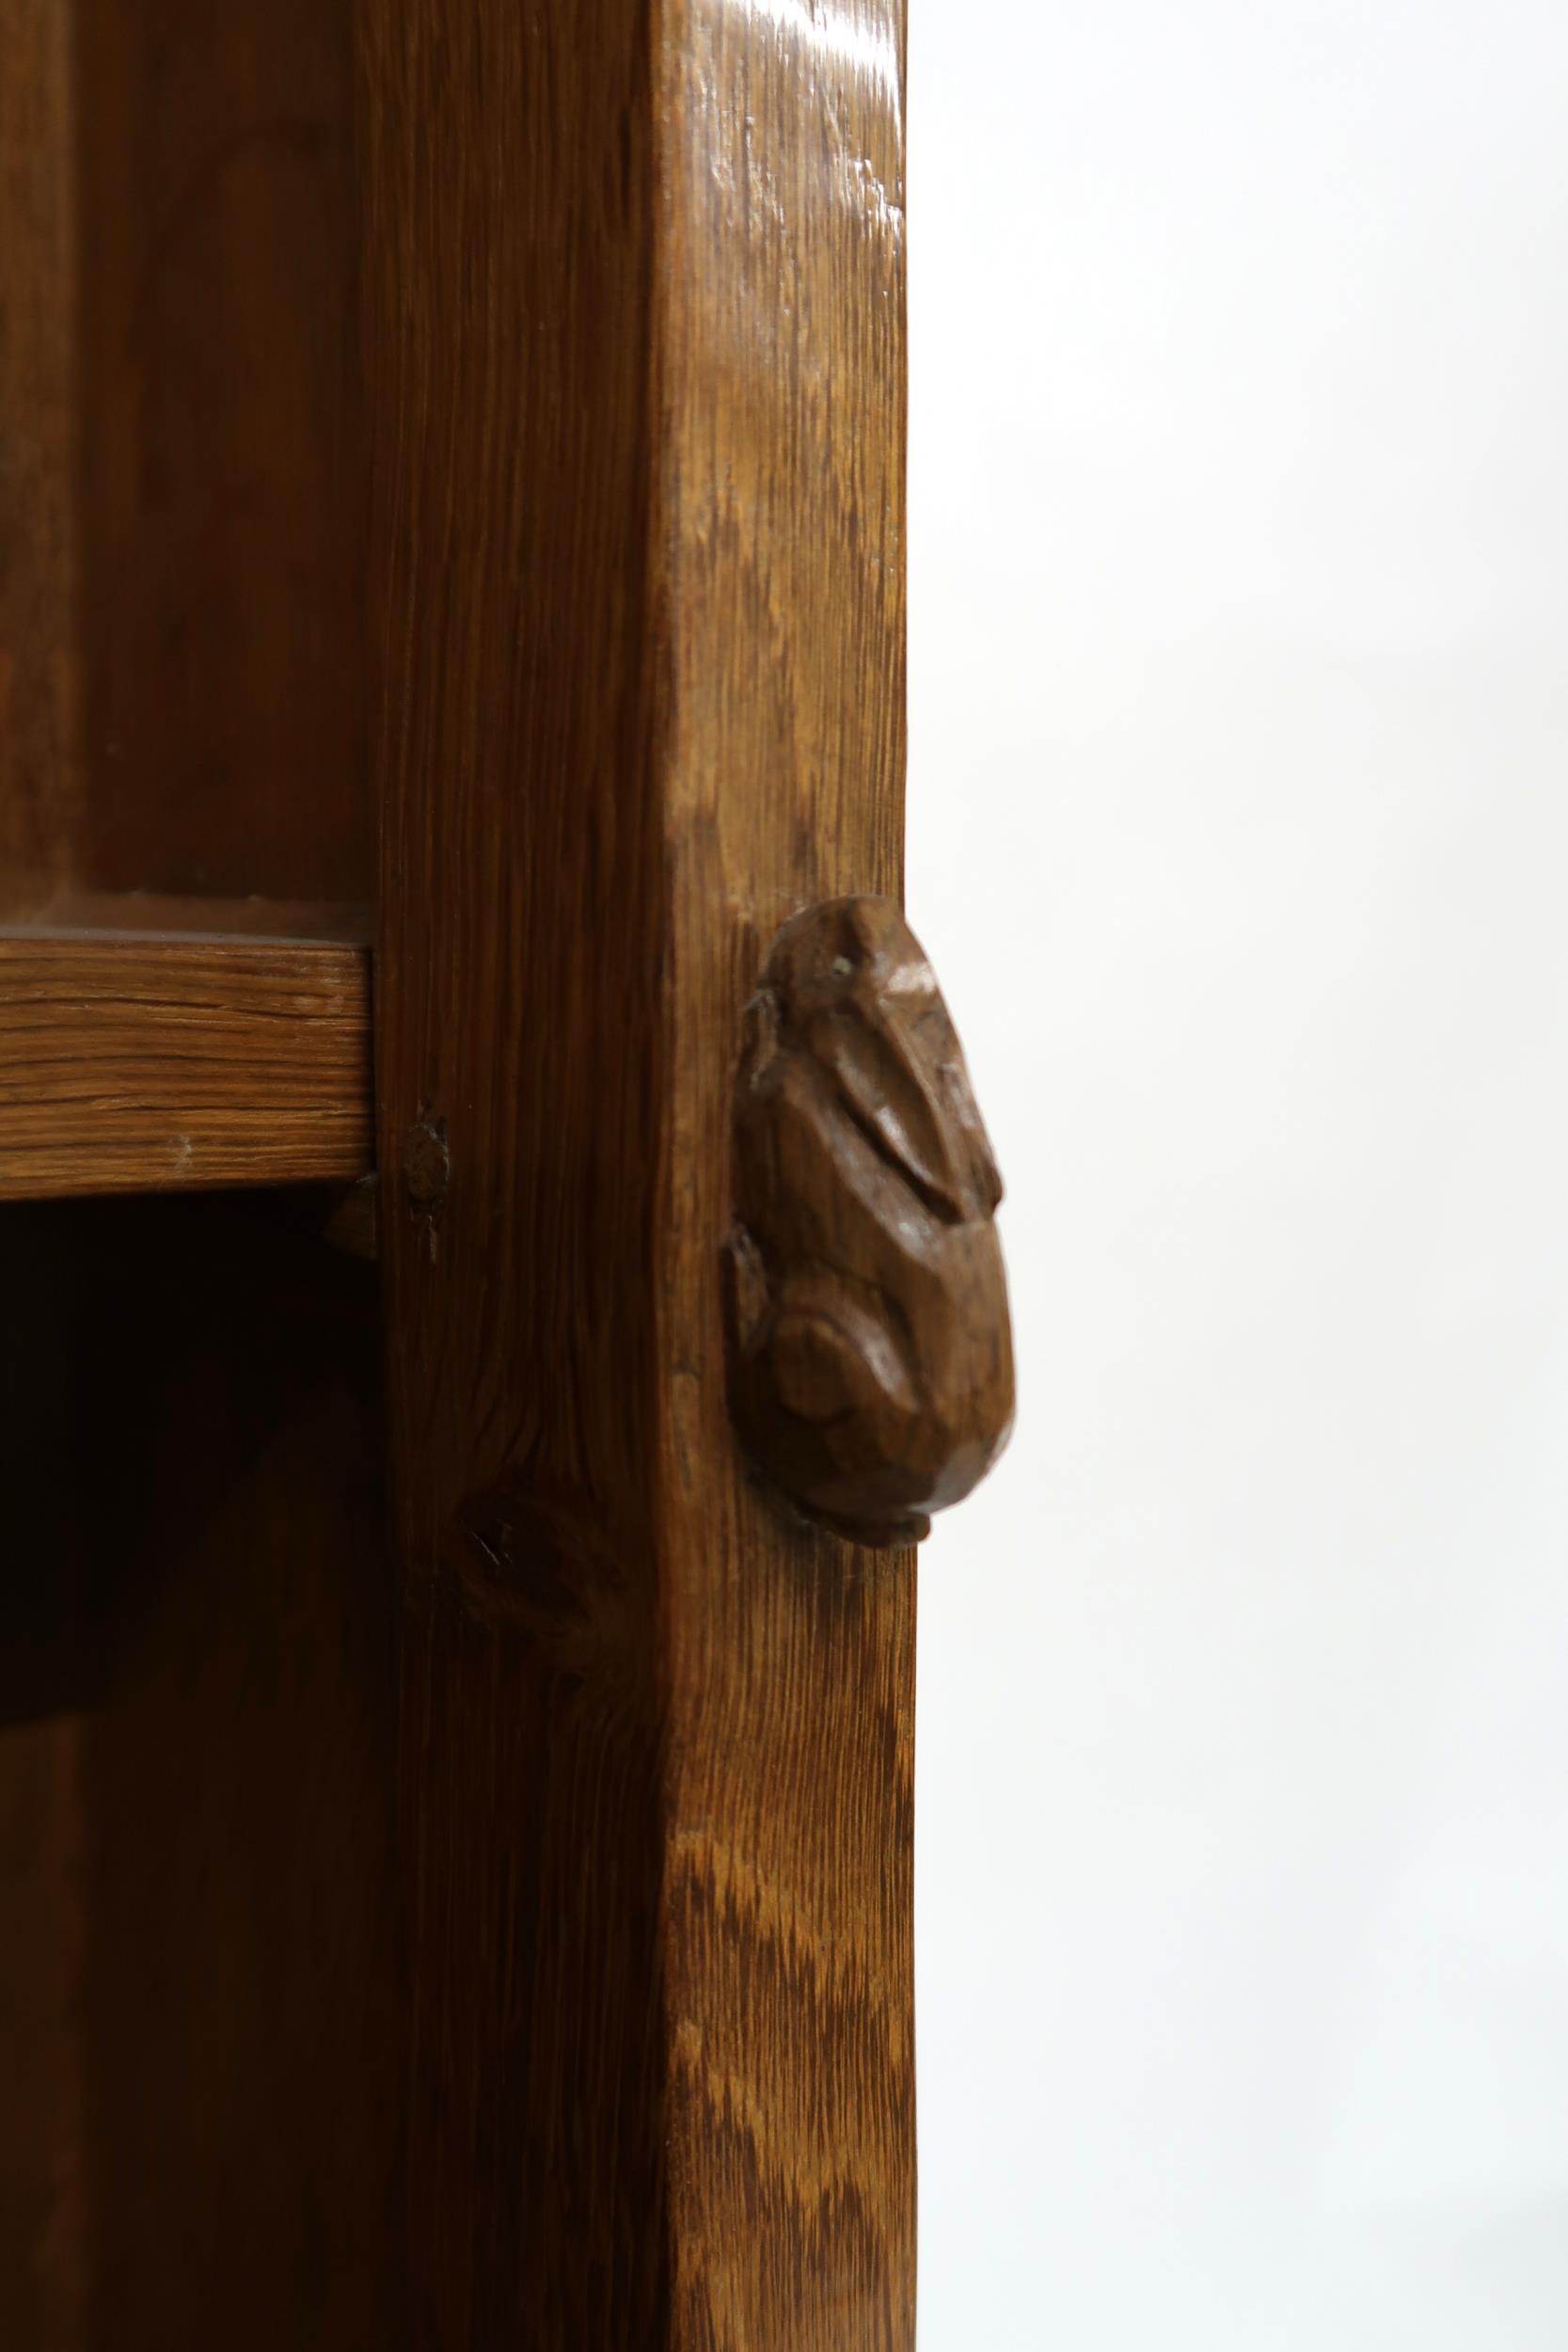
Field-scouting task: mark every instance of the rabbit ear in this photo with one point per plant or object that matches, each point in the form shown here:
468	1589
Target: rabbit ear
904	1082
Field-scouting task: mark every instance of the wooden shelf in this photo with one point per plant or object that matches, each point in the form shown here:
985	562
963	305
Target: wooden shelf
157	1044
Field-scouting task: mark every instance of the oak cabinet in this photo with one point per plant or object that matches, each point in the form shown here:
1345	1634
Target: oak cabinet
454	1817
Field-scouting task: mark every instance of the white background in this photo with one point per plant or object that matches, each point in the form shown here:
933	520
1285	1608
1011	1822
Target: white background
1239	835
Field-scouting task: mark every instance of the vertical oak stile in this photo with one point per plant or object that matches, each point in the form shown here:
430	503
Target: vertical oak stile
39	425
42	2169
634	357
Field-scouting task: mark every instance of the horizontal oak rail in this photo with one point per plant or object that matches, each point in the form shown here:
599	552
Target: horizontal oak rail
160	1045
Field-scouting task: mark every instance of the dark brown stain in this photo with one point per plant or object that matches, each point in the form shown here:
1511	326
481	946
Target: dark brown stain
634	362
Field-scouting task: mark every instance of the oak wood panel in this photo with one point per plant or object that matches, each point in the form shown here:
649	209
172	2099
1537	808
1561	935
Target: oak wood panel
200	2034
780	352
199	2028
181	484
39	720
507	215
220	506
635	347
146	1059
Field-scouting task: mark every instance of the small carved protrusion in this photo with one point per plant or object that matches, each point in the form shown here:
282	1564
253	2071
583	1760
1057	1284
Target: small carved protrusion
871	1372
426	1166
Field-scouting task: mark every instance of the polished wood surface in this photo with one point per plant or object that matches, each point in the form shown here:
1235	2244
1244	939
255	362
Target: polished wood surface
871	1374
779	574
199	2033
221	1047
199	2030
38	426
219	498
635	361
180	478
563	1995
508	213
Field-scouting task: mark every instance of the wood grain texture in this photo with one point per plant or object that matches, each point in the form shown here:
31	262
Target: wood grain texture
38	423
519	1018
43	2263
635	302
145	1060
181	484
780	339
199	2032
219	486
